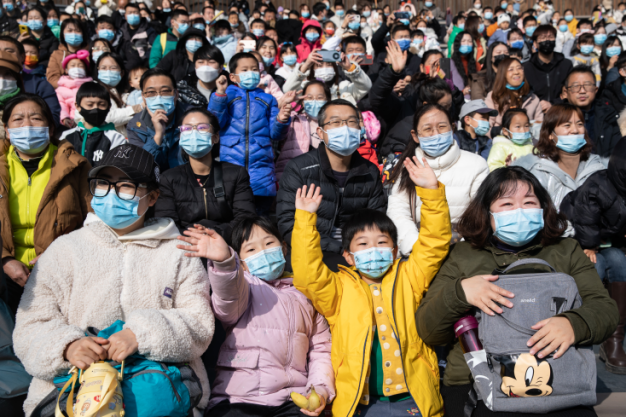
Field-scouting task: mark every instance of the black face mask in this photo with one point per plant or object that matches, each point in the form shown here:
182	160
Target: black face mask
547	47
497	59
94	117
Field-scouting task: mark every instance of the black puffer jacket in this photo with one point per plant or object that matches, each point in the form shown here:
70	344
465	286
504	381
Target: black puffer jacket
136	52
184	200
363	189
597	209
177	62
547	79
606	132
47	45
612	94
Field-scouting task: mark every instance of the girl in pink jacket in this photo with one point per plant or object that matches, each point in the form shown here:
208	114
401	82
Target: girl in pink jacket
75	67
276	342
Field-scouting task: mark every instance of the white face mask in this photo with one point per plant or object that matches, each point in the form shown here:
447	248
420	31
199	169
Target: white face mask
7	86
325	74
207	73
76	73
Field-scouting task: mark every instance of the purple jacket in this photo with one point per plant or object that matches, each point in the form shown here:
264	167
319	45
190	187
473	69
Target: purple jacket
275	343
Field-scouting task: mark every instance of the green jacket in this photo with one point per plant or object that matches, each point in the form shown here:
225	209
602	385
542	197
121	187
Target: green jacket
455	31
445	301
157	52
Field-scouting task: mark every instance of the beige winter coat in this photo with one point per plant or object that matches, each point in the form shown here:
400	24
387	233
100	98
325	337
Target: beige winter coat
91	278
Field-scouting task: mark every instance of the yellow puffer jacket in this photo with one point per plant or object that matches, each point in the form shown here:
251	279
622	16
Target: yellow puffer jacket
344	299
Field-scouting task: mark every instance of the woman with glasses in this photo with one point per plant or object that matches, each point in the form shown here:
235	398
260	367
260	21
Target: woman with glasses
123	264
204	191
460	171
44	188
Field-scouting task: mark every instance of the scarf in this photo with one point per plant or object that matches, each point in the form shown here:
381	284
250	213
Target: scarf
5	98
86	132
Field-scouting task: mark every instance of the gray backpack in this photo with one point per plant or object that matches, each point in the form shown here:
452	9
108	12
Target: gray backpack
506	377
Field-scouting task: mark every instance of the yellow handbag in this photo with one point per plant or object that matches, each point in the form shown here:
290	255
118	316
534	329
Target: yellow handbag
100	393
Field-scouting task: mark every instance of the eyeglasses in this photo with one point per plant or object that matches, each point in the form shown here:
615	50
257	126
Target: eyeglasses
99	48
575	88
125	190
429	131
202	128
352	122
164	92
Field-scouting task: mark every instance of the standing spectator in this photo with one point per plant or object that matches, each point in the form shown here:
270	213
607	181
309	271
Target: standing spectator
514	140
73	38
474	119
137	39
166	42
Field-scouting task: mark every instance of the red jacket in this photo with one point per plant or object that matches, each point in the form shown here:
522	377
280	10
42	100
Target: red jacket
306	47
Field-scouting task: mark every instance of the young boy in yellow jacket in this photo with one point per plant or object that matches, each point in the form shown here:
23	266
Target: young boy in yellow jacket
382	367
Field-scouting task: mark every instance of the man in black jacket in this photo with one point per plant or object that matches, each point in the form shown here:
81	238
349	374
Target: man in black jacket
613	92
137	39
399	33
546	70
348	181
8	24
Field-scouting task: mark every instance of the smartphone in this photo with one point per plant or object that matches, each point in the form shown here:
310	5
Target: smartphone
23	29
248	45
402	15
330	56
367	60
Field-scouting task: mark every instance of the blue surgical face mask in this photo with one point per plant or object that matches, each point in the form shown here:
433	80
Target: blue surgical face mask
312	36
598	39
312	107
196	144
519	138
220	40
466	49
417	42
366	13
268	265
481	28
110	78
563	28
340	13
517	44
405	22
504	4
404	44
107	34
586	49
258	32
182	28
36	25
518	227
530	30
510	87
373	262
437	145
290	60
73	39
30	140
167	10
306	14
354	25
428	4
488	15
461	26
249	80
199	26
96	55
569	17
344	140
8	7
482	128
234	25
115	212
611	51
133	19
571	143
268	61
193	45
53	22
166	103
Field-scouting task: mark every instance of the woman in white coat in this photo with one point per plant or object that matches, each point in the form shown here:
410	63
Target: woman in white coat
119	266
353	89
460	171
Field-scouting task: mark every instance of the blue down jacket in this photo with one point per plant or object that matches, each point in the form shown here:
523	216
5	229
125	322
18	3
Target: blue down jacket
248	124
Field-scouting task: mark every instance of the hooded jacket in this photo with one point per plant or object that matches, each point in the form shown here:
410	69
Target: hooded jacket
92	278
248	125
502	148
66	93
547	79
276	343
305	47
157	52
554	179
135	46
461	172
96	144
344	298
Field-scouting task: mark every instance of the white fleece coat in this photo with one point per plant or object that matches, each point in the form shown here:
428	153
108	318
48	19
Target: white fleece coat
460	171
91	277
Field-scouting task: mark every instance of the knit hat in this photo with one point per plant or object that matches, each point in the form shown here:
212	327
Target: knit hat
83	55
503	18
9	61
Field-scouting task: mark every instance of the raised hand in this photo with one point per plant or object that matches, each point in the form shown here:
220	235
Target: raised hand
311	60
308	201
396	57
221	83
346	64
285	113
287	98
421	173
205	243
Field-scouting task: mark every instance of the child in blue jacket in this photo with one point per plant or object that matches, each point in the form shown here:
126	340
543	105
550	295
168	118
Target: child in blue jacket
249	121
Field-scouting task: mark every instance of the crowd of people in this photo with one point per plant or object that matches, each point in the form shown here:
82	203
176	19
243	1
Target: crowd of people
307	200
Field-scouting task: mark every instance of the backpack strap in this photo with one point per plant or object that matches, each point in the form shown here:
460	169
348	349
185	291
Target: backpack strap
163	43
219	192
529	261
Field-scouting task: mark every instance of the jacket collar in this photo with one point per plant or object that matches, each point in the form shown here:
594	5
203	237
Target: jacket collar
358	165
444	161
556	59
469	144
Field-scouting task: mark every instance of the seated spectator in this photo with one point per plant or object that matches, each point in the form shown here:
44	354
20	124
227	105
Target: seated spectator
72	40
31	59
460	171
155	128
517	45
294	349
500	35
98	48
482	81
134	78
309	39
93	137
514	140
224	39
117	250
474	119
348	181
204	191
287	59
582	54
464	60
137	39
563	36
562	159
179	62
39	31
166	42
266	47
75	67
197	87
613	93
466	279
611	51
57	200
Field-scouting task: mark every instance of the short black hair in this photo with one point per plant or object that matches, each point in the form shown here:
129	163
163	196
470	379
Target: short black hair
77	24
258	21
353	39
365	219
399	28
508	116
40	10
104	19
543	30
155	72
580	69
93	89
209	52
18	46
243	229
232	65
583	21
177	13
318	8
133	5
222	24
321	116
528	19
31	42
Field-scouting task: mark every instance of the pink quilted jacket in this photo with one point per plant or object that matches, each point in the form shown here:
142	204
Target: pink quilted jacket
275	343
66	93
298	140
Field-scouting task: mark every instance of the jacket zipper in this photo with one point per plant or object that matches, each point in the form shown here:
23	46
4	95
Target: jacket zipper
178	398
247	128
206	208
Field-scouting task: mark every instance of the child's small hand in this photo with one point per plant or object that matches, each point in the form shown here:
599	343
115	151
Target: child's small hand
286	98
205	243
221	84
69	123
319	409
421	173
308	202
285	112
